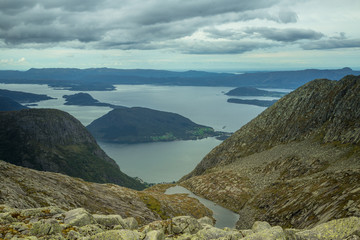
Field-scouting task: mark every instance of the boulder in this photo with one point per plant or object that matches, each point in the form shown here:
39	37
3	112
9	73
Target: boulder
155	235
90	230
259	226
210	233
184	224
206	221
123	234
273	233
336	229
78	217
131	223
109	221
45	227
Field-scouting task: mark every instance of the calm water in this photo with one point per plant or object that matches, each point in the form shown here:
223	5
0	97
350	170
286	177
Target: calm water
224	217
164	161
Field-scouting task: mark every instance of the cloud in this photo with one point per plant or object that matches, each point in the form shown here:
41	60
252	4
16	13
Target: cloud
228	26
223	47
331	44
285	35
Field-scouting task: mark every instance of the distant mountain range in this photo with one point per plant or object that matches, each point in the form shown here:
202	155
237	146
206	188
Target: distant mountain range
106	78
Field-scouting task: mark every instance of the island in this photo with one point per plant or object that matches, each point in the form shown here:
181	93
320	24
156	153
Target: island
85	99
256	102
24	97
251	91
140	125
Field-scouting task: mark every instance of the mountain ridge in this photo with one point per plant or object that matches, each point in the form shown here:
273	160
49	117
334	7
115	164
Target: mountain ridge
53	140
287	164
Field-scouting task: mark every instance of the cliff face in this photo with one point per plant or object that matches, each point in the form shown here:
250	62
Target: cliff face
289	164
52	140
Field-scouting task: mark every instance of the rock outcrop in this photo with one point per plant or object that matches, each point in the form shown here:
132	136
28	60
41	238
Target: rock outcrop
52	223
52	140
296	165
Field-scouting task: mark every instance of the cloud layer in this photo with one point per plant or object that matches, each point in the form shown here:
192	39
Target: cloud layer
185	26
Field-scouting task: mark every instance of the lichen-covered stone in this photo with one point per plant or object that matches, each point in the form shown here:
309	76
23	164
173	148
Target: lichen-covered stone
78	217
131	223
259	226
184	224
90	230
155	235
42	212
273	233
110	221
211	233
124	234
336	229
45	227
206	221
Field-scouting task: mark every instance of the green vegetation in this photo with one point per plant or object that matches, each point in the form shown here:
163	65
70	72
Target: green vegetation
52	140
136	125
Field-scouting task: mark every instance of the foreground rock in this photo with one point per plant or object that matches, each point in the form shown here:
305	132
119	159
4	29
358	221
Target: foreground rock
54	223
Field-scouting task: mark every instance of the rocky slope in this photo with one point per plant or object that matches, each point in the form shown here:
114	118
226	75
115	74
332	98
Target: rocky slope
296	164
27	188
52	140
7	104
56	223
138	124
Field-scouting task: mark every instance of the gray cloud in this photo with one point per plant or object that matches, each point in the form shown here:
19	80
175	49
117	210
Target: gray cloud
151	24
331	44
223	47
285	35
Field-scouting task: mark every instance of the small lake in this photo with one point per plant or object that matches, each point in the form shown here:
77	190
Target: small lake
224	217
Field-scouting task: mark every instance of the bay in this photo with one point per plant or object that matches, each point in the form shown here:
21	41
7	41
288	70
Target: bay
162	161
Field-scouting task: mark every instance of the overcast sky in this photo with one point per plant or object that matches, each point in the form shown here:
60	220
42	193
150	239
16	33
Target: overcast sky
212	35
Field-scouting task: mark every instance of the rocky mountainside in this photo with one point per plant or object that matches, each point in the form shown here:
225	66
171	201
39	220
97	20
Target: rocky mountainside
297	164
7	104
25	188
52	140
138	124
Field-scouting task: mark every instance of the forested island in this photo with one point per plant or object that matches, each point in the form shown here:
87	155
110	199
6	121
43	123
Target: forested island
138	124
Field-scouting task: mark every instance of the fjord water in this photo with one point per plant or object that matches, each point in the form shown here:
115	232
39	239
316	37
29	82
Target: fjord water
163	161
224	217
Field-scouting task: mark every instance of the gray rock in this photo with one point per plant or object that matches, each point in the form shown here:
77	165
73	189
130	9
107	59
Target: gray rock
72	235
155	235
45	227
109	221
131	223
124	234
42	212
206	221
274	233
90	230
184	224
211	233
78	217
259	226
336	229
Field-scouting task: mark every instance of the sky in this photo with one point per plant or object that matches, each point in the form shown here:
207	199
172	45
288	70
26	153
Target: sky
210	35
